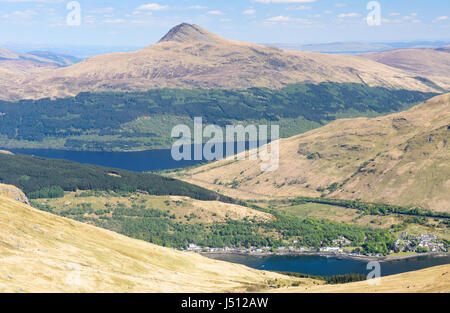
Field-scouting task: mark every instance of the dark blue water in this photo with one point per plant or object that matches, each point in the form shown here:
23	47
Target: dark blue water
149	160
329	266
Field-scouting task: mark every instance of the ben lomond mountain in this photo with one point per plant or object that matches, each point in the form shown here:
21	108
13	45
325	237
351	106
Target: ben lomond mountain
191	57
185	33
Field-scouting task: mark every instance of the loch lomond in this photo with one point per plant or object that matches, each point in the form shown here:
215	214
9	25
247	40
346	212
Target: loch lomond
330	265
140	161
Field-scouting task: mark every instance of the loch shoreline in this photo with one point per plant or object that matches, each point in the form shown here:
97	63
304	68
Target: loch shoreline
331	255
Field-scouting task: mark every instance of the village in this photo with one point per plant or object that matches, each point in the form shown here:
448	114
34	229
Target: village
405	243
420	243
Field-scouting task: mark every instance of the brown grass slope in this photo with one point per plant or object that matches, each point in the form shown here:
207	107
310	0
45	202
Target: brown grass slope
189	56
402	158
431	63
40	252
430	280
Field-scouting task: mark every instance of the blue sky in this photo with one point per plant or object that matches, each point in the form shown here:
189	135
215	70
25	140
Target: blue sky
140	23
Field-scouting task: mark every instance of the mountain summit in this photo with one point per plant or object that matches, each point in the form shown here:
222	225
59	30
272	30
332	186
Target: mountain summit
187	33
192	57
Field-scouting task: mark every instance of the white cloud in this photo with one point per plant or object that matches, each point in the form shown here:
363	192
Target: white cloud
394	14
300	8
102	10
340	5
249	12
115	21
352	14
152	7
284	1
39	1
280	18
287	19
442	18
21	14
215	12
197	7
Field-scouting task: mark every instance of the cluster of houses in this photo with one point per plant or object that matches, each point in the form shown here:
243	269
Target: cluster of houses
419	243
256	250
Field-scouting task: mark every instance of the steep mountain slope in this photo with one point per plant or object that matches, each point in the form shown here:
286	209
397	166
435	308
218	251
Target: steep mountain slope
402	159
40	252
189	56
431	63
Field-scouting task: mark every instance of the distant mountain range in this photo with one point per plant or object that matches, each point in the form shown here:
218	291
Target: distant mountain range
358	47
36	59
191	57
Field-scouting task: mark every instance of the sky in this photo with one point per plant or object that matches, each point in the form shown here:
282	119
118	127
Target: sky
141	23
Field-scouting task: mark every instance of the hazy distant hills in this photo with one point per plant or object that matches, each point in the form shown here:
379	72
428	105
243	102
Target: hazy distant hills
402	159
190	56
16	63
16	66
432	63
358	47
60	59
28	62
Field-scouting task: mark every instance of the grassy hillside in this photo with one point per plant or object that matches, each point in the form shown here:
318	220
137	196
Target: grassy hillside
143	120
177	222
41	252
430	280
378	216
433	63
401	159
40	177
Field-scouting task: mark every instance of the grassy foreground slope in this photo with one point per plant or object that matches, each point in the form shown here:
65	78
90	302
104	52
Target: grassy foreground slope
41	252
401	159
429	280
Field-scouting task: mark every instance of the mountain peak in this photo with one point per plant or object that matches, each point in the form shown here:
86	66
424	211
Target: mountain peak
186	33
